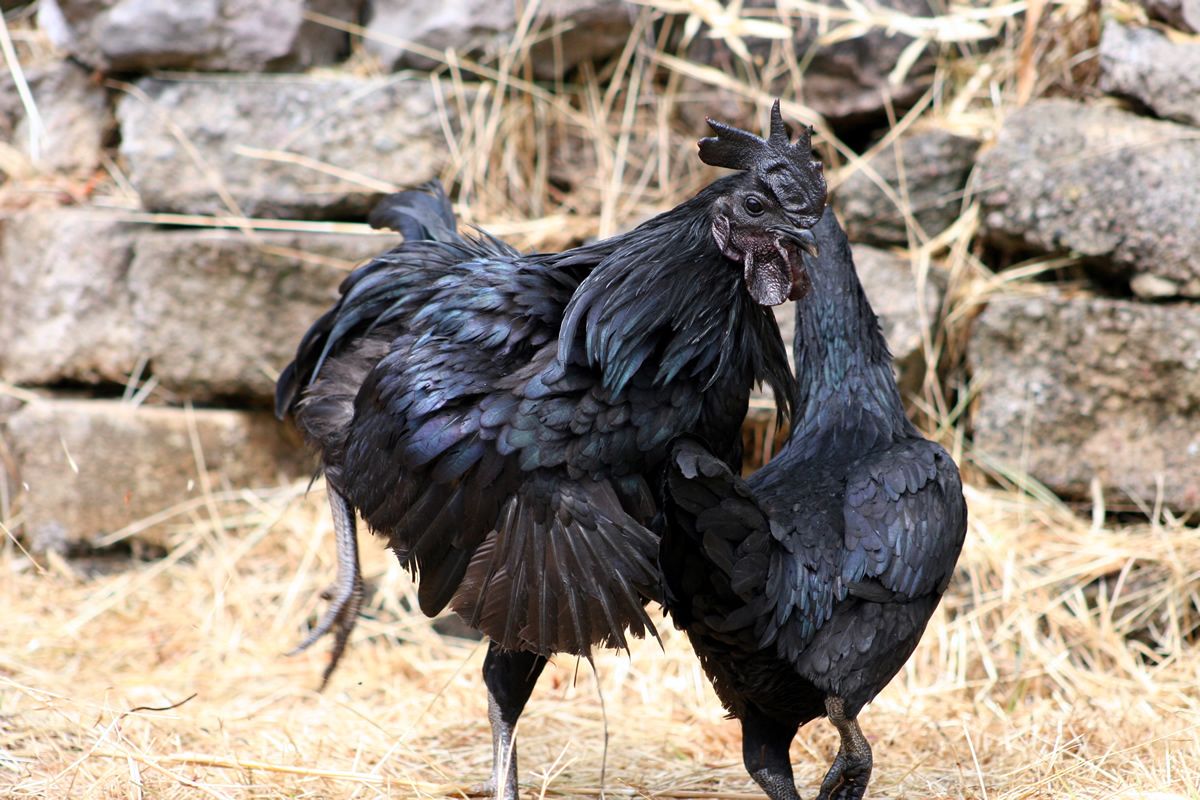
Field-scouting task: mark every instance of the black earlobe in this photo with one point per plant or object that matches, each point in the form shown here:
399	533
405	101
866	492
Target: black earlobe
720	233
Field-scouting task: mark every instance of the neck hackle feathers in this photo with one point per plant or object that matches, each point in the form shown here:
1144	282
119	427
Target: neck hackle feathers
787	168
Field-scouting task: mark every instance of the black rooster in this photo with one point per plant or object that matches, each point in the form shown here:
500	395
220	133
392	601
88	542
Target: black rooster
805	588
501	417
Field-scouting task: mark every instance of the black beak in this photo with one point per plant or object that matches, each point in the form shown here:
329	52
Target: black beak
802	237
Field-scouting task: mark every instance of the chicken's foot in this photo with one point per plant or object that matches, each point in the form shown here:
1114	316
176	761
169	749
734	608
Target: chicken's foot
851	769
347	595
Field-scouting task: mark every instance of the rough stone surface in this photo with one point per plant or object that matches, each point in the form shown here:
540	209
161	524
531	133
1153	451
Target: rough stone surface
233	35
86	468
8	478
904	313
211	313
1114	187
589	30
928	170
65	313
846	82
1183	14
1143	64
217	315
1076	388
74	115
386	130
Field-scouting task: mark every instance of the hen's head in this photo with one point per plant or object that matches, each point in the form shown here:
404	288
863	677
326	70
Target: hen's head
763	221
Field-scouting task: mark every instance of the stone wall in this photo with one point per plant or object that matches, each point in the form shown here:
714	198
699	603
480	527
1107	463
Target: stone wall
141	326
1097	383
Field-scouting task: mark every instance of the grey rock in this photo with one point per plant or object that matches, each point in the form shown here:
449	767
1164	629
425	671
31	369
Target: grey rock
906	311
846	82
587	30
928	171
74	114
65	312
1183	14
1116	188
219	315
1116	397
382	130
233	35
209	314
87	468
905	314
1143	64
9	405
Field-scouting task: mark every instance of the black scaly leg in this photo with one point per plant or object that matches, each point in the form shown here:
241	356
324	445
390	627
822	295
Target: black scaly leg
510	677
347	595
765	744
851	770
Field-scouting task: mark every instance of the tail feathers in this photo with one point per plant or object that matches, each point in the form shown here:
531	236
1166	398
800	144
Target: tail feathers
564	569
296	374
421	213
285	390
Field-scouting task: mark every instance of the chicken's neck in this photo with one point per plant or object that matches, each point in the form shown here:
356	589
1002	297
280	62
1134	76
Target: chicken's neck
847	402
663	303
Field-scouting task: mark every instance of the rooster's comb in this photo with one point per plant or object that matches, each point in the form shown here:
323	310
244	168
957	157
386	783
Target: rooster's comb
789	168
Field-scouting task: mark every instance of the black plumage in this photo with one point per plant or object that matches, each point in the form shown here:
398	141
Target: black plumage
501	417
805	588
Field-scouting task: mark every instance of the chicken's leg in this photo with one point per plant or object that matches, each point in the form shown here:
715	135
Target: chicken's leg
851	770
765	744
510	677
347	598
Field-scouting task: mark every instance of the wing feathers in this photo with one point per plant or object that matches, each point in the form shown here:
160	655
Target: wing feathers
905	520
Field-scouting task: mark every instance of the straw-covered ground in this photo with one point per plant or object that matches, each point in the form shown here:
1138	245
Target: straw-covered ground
1063	663
1058	666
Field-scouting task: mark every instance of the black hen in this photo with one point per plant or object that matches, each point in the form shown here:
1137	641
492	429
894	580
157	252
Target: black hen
805	588
501	417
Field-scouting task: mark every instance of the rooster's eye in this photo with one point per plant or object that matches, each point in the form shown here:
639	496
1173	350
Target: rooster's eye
753	205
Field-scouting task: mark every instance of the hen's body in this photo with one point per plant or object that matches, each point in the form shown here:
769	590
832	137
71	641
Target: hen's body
806	588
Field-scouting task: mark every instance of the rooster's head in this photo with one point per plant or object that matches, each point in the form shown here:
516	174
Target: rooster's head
763	222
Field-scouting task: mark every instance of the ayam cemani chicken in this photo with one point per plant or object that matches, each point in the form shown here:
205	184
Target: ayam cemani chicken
805	588
501	418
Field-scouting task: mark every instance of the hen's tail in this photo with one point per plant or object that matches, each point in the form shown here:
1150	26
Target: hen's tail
420	213
423	214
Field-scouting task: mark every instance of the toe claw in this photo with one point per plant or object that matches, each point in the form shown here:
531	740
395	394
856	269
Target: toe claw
339	618
341	614
846	780
347	592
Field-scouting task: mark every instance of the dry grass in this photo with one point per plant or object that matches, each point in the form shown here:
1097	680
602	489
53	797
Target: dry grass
1062	664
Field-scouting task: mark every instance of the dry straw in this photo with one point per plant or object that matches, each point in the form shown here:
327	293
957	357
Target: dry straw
1062	664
